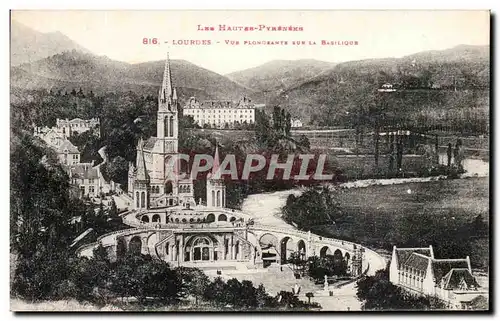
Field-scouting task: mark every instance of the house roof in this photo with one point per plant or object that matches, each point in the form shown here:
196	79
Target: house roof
150	143
83	170
142	173
456	278
67	147
441	267
417	261
402	254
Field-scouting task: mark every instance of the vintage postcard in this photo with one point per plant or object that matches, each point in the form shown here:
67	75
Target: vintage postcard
250	160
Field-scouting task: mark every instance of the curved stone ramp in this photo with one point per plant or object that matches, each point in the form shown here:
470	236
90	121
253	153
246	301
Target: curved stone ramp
372	260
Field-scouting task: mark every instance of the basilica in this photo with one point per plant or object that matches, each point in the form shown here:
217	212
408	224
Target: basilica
153	181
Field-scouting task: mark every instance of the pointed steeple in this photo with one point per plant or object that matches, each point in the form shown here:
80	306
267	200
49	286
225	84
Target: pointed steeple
167	87
142	173
174	95
216	164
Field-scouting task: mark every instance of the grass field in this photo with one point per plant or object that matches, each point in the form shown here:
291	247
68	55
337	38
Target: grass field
417	214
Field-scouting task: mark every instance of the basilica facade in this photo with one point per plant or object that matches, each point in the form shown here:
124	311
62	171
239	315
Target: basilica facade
154	180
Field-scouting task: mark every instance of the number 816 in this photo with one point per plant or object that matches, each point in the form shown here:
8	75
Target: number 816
149	41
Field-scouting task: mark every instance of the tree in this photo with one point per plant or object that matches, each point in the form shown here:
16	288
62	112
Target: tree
117	170
195	282
309	295
378	293
313	207
113	210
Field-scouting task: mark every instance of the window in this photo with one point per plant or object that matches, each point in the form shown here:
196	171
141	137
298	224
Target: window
91	189
91	181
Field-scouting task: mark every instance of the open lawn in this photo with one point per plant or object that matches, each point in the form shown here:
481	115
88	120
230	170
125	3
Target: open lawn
442	213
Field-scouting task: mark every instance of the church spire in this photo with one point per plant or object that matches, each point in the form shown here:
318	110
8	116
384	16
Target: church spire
142	174
167	87
216	164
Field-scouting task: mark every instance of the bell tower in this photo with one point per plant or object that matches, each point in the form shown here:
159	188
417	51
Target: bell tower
167	128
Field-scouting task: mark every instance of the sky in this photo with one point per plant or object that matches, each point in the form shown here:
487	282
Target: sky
120	34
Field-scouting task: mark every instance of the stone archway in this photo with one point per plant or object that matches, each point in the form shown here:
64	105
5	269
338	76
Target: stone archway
121	247
268	240
285	249
325	250
201	249
156	218
347	257
222	218
232	219
210	218
145	219
301	248
169	188
135	245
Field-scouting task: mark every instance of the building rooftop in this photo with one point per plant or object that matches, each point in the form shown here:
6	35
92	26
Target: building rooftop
402	254
459	278
67	147
83	171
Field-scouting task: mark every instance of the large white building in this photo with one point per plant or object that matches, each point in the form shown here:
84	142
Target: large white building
451	280
78	125
220	113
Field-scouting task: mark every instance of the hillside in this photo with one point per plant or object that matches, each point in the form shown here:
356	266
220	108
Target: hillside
74	69
28	45
279	74
449	86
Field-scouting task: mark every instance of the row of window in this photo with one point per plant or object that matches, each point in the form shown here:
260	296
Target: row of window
230	116
77	180
223	111
91	190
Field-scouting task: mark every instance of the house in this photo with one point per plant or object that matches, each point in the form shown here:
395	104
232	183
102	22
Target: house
77	125
67	153
387	87
450	280
86	178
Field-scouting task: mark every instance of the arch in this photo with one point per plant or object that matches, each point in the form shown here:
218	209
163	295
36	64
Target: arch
137	200
232	219
201	249
213	198
145	219
301	248
210	218
121	247
222	217
168	187
325	250
156	218
171	126
338	254
223	202
143	199
285	248
267	241
135	245
218	198
347	257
